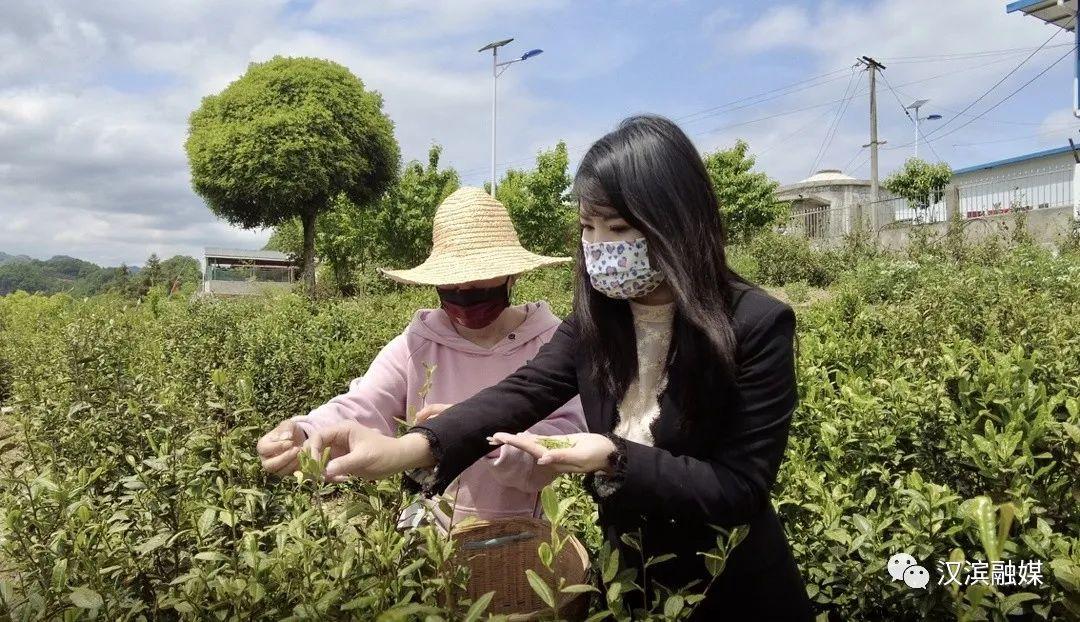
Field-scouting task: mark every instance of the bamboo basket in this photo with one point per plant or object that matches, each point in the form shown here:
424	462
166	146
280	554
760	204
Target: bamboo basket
498	552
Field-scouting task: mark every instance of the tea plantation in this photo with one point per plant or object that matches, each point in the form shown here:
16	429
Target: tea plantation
939	417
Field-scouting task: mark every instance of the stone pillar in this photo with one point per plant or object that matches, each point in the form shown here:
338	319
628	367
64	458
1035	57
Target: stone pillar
952	202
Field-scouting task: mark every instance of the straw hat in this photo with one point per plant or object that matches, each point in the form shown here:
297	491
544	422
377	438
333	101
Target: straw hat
473	240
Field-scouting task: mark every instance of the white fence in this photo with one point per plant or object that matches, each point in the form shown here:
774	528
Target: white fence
818	222
900	210
1036	188
1039	189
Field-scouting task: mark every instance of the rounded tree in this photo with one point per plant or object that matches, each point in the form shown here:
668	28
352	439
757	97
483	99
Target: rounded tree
284	140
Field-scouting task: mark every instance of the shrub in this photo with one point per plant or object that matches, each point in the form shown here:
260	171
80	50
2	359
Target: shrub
938	416
781	259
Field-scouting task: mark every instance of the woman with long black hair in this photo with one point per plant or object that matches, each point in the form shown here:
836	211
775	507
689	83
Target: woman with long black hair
686	375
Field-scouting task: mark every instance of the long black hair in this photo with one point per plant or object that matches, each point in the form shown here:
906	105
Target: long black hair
649	171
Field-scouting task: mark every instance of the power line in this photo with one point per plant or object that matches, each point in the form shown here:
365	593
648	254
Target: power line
834	127
853	158
711	111
575	148
1007	97
908	115
998	83
726	108
901	104
788	137
1012	139
987	119
966	55
934	151
862	163
723	107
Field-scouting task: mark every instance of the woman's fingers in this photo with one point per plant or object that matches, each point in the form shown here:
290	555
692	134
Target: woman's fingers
268	447
526	443
353	463
283	463
561	460
430	411
282	438
557	456
335	437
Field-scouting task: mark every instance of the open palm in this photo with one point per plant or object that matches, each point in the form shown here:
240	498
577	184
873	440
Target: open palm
588	452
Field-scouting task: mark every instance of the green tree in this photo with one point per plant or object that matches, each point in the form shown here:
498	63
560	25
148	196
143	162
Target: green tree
747	198
68	268
123	283
285	140
151	274
920	182
538	204
181	271
27	276
396	231
402	228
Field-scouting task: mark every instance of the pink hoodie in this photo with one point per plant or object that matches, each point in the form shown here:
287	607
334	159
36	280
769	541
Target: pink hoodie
503	483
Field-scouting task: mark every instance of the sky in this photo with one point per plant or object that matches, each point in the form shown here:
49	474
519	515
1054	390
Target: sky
95	95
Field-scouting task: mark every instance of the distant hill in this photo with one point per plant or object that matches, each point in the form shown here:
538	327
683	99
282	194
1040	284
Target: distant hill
78	277
5	258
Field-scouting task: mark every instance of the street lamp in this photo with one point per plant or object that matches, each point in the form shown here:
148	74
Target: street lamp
496	70
919	103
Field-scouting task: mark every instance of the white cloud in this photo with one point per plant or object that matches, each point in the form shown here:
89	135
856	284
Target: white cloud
405	20
95	96
91	151
914	40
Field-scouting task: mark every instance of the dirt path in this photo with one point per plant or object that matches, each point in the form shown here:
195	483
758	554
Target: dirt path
813	295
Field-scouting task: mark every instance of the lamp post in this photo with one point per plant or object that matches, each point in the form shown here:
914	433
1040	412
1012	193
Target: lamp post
496	70
919	103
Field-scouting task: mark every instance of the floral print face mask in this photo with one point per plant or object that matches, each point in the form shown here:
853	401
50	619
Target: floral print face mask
620	269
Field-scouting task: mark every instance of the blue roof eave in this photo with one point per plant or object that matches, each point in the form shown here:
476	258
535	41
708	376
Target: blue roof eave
1027	5
1013	160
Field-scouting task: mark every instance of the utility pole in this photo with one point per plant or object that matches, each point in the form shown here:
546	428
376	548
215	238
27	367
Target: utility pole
875	189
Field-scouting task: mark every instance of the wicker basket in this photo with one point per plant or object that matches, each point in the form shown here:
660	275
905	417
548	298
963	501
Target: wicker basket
498	552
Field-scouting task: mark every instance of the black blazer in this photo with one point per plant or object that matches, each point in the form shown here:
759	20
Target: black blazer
671	491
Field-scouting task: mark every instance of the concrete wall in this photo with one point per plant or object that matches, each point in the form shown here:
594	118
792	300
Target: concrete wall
1045	225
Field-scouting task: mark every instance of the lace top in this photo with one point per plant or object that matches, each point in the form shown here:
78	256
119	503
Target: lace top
639	407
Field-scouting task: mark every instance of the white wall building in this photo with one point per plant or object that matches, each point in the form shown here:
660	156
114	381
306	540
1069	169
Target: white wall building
1040	180
1044	183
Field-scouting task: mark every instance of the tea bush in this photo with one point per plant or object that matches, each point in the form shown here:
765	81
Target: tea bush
938	416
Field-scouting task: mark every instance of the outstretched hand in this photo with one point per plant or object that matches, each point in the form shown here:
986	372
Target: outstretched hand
357	451
586	453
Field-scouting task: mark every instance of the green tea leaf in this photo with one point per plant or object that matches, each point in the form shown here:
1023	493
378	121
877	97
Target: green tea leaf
673	606
540	587
550	502
479	607
578	588
86	598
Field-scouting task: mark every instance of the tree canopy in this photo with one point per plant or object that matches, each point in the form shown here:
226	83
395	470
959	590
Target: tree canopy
395	232
285	140
747	198
920	182
538	204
